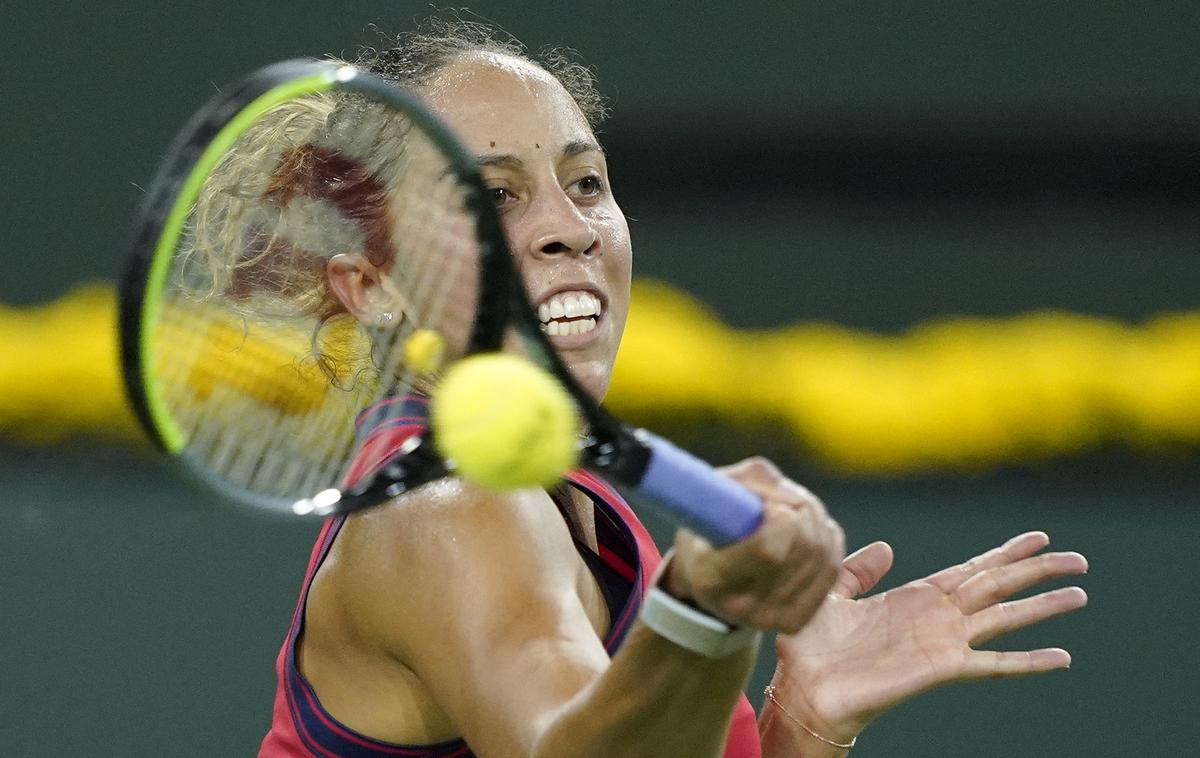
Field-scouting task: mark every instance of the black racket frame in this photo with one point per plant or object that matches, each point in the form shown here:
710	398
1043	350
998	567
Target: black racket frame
610	447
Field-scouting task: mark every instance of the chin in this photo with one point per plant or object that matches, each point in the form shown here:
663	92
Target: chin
593	376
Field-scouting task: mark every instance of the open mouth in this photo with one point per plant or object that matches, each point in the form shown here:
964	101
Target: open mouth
569	312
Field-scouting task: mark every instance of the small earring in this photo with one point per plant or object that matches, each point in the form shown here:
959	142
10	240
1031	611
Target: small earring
385	318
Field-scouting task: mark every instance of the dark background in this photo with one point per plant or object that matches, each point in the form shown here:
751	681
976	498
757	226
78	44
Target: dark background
873	164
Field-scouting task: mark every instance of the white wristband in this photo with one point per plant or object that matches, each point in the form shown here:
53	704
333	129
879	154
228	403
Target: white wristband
692	629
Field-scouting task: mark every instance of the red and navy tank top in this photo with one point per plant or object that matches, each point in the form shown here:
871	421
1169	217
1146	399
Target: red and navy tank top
627	559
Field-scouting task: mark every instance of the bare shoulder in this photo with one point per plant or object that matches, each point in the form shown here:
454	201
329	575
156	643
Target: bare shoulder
446	548
418	597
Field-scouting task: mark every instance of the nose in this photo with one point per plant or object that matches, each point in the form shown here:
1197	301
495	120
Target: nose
561	229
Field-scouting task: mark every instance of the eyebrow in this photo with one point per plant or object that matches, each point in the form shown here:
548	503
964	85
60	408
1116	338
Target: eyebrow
508	160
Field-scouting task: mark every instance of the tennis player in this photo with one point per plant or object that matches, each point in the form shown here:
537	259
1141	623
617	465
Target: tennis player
457	622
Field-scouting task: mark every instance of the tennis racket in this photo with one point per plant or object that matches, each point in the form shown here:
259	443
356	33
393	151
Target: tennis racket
241	362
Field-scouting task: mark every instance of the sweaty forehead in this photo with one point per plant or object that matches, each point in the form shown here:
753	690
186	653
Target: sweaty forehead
489	97
490	66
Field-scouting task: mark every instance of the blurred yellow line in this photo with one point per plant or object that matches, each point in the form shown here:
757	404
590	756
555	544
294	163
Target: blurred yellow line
60	376
951	393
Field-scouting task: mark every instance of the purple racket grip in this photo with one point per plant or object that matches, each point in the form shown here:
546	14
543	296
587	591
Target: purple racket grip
706	501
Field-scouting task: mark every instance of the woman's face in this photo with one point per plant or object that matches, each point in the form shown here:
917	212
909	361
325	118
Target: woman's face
550	182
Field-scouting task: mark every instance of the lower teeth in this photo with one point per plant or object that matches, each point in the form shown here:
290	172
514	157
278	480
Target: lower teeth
562	328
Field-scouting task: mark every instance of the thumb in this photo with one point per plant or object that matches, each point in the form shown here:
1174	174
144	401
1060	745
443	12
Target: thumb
862	570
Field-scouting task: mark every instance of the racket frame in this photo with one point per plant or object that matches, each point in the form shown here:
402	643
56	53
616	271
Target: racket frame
197	148
687	487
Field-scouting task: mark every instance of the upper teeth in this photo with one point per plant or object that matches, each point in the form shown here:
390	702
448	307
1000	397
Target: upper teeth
569	305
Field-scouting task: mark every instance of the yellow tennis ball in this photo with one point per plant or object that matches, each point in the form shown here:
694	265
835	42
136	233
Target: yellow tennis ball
424	350
505	423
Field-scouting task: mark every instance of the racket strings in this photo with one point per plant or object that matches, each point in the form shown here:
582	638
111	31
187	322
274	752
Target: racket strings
262	381
426	206
226	374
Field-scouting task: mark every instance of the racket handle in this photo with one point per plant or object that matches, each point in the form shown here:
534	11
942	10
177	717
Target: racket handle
705	500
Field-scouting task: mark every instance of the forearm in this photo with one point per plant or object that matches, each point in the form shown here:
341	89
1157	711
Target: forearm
656	698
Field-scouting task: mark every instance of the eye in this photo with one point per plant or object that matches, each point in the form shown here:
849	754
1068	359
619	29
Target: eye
500	196
590	185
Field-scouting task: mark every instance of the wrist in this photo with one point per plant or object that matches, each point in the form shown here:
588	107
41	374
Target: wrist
786	696
782	737
688	626
671	580
694	629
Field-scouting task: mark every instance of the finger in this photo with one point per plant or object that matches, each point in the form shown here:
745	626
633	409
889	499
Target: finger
863	569
790	613
811	579
990	664
812	561
1003	618
781	608
756	473
759	559
994	584
795	495
1019	547
738	568
785	599
762	478
787	539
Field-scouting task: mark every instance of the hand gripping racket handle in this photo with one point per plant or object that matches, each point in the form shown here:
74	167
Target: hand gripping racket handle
706	501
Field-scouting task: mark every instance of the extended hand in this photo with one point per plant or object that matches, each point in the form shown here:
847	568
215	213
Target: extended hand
857	658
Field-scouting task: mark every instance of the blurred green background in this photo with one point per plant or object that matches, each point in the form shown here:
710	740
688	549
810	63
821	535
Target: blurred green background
873	164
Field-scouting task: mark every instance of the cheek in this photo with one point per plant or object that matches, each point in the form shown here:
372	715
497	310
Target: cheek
614	236
509	224
618	260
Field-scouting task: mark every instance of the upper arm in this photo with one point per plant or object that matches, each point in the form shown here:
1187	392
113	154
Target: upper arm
476	593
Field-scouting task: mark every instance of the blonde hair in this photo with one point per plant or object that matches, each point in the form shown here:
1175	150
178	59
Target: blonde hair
234	240
280	204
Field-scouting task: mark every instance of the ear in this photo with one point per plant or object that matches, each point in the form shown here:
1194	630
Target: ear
357	283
